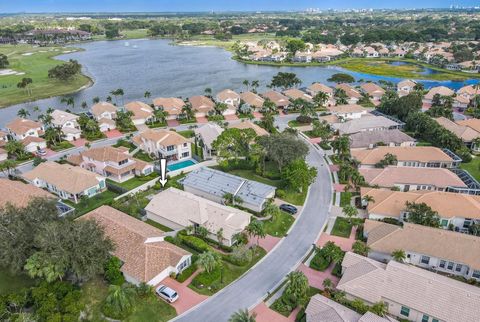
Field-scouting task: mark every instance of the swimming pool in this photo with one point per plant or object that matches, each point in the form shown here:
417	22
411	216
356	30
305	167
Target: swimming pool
180	165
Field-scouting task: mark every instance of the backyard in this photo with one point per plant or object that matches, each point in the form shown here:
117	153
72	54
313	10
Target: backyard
473	167
13	282
134	182
89	204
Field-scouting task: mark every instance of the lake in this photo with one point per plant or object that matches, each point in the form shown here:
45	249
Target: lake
166	70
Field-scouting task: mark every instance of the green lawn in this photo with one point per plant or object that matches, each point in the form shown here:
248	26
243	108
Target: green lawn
187	133
13	282
159	226
295	123
126	144
135	181
126	34
473	167
279	224
89	204
151	309
35	62
157	124
61	146
341	227
345	198
142	155
231	273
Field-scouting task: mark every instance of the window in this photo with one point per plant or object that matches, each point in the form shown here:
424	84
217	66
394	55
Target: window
443	263
101	184
425	259
425	318
405	311
450	265
476	274
170	148
444	222
434	320
185	154
185	144
458	268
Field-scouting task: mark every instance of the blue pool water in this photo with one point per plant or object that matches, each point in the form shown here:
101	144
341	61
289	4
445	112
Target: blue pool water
180	165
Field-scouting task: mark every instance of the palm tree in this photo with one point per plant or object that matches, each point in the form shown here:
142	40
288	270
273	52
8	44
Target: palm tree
256	229
147	94
243	316
255	84
36	109
327	284
49	110
367	199
207	261
246	83
84	105
208	91
69	101
320	99
120	298
108	99
379	308
399	255
23	113
96	99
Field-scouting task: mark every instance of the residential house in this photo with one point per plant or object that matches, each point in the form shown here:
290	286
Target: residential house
373	90
370	52
372	139
20	128
213	185
3	154
113	163
259	131
464	132
409	178
104	110
323	309
106	124
468	91
411	293
146	257
19	194
179	209
316	88
405	87
280	100
142	113
251	101
229	97
33	144
294	93
431	248
202	106
440	90
412	156
163	144
347	111
173	106
457	211
206	135
3	138
68	123
67	181
353	96
366	123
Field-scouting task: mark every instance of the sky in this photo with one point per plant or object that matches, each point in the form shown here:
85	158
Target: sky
11	6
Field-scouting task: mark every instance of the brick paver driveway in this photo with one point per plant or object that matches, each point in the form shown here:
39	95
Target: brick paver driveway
344	243
202	119
231	118
316	278
113	134
188	298
266	314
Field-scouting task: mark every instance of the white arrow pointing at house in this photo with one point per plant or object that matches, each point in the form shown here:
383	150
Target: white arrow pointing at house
163	171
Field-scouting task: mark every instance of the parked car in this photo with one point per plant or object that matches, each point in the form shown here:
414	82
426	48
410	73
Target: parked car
167	293
41	152
289	208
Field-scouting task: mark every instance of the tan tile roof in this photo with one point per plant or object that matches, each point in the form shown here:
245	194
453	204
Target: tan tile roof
32	139
406	83
104	120
469	90
19	194
143	259
249	125
403	153
171	105
201	103
102	107
388	177
442	90
60	117
252	99
366	122
433	294
461	130
276	97
106	153
139	109
447	204
294	93
318	87
322	309
349	90
434	242
471	123
65	177
347	108
185	208
227	94
21	126
366	138
372	89
163	137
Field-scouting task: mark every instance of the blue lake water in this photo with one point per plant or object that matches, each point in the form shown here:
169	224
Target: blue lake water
166	70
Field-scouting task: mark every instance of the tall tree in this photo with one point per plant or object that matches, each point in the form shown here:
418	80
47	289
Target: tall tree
283	148
243	316
285	80
422	214
256	229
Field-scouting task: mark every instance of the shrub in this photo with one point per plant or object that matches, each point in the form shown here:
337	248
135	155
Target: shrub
205	279
319	262
183	276
112	272
325	146
196	243
337	270
280	193
301	316
304	119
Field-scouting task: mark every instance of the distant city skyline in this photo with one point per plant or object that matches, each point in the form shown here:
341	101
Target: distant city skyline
33	6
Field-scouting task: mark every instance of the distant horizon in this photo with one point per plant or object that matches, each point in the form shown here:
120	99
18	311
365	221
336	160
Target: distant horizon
192	6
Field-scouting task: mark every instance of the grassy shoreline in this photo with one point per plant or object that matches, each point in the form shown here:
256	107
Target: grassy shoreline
34	62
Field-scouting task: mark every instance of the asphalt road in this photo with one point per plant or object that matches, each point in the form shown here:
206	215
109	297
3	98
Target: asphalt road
253	286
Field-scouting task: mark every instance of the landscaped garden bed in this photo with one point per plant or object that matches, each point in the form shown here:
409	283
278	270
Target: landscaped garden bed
342	227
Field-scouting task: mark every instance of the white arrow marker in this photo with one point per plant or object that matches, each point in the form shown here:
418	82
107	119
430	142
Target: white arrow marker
163	170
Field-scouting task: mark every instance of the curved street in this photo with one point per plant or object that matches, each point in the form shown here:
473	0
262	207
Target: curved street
267	274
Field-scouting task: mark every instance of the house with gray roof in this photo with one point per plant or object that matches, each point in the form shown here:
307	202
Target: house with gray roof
206	134
213	185
372	139
366	123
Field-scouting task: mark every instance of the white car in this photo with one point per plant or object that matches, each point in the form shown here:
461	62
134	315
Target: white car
167	293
